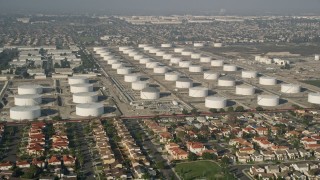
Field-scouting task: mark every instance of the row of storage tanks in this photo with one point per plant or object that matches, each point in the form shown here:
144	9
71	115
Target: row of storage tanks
84	97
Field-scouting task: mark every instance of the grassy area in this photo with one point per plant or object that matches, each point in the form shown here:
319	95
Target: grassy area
201	170
87	38
313	82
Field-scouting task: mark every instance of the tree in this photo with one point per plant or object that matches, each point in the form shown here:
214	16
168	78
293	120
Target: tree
56	65
222	110
160	165
213	110
239	109
259	108
209	156
194	112
185	112
192	156
225	160
230	109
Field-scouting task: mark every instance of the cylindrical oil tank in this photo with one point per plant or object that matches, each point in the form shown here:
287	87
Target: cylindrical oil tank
29	89
290	88
117	65
152	64
171	76
160	69
167	56
85	97
175	60
195	68
245	90
78	80
150	93
314	98
217	63
198	44
184	64
184	83
215	102
89	109
144	60
139	85
76	88
268	100
198	92
229	67
210	75
226	81
25	112
27	100
249	74
166	45
186	53
269	81
205	59
178	50
132	77
195	56
124	70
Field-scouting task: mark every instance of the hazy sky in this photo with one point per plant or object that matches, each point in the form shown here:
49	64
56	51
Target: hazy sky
161	6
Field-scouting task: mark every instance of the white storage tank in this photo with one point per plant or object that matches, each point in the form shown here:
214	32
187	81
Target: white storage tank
249	74
215	102
226	81
89	109
85	97
314	98
290	88
27	100
217	63
25	112
167	56
160	69
152	64
268	100
171	76
210	75
186	53
198	92
269	81
184	83
117	65
132	77
229	67
198	44
184	64
144	60
205	59
166	45
78	80
160	53
139	85
76	88
217	45
124	70
178	50
150	93
245	90
195	56
29	89
175	60
195	68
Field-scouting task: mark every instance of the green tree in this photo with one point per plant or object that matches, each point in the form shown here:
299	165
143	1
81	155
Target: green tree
259	108
56	65
192	156
209	156
239	109
222	110
230	109
185	112
213	110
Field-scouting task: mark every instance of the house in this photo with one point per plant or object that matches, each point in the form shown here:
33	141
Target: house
272	169
256	157
178	153
298	175
284	168
35	149
266	176
313	166
5	165
292	134
165	137
305	154
54	161
68	160
279	148
247	150
38	163
262	131
240	142
292	154
301	167
281	155
312	146
307	140
268	155
243	157
196	147
255	170
22	164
